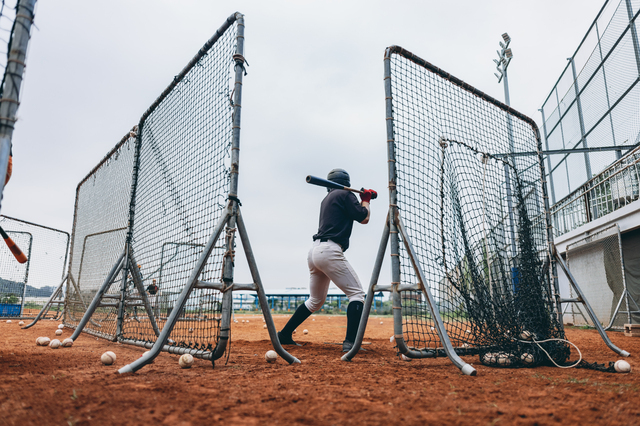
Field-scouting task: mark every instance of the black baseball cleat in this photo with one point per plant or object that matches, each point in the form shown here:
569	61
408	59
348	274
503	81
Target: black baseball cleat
346	346
287	340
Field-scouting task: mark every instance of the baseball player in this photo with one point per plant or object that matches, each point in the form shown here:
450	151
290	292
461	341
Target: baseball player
326	258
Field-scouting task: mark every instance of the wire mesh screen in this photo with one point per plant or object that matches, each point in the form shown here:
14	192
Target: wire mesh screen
30	285
595	262
13	275
474	215
99	234
182	185
594	103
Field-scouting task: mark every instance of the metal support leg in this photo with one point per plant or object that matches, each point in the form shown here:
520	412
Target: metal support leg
592	315
435	313
182	299
98	297
47	306
262	298
375	275
137	281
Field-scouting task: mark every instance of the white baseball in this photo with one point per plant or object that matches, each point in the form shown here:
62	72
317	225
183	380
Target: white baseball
264	326
489	358
58	332
313	319
263	320
186	361
392	338
467	331
525	335
622	366
236	321
305	331
295	331
55	344
21	323
527	358
247	321
271	356
504	359
60	326
243	321
43	341
8	321
381	322
108	358
405	358
466	345
67	343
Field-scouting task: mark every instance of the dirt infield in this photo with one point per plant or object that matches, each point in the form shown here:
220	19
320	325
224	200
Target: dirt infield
70	386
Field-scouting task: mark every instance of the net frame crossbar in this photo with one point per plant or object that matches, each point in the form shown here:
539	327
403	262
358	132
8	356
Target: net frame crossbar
230	222
394	233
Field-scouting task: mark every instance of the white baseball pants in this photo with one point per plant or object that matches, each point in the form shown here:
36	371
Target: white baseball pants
327	263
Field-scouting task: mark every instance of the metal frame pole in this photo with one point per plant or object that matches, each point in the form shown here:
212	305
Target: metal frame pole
117	267
375	275
584	301
182	298
47	305
262	298
12	80
26	271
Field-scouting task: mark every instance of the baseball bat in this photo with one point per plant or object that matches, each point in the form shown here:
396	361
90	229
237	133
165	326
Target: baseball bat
17	253
313	180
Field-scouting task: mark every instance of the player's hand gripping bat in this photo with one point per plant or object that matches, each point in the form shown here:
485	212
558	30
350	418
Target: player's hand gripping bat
19	255
329	184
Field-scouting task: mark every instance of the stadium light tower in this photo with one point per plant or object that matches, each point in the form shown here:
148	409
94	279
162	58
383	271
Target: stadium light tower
502	63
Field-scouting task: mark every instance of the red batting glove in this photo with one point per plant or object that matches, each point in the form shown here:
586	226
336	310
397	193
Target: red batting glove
368	195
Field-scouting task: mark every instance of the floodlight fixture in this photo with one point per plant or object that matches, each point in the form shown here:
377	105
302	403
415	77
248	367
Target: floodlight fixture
508	53
506	38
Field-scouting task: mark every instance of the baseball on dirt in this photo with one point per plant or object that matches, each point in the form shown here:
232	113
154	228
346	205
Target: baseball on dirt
264	326
527	358
271	356
305	331
622	366
186	361
60	326
67	343
108	358
392	338
8	321
405	358
43	341
21	323
381	322
58	332
525	335
55	344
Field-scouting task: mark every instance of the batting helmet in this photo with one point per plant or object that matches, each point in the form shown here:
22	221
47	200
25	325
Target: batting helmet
339	176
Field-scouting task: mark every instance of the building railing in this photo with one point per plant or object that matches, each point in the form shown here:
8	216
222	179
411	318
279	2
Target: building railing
612	189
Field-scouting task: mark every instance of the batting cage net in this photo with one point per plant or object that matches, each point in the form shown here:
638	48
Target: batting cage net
100	226
145	213
26	287
594	261
474	213
180	192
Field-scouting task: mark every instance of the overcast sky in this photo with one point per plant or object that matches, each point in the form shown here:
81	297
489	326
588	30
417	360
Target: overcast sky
313	98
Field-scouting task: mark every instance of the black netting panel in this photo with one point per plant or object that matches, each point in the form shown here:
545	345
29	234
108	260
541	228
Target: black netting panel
99	235
488	271
34	281
181	191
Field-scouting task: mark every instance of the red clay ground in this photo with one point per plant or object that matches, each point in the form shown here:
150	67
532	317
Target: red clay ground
41	386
